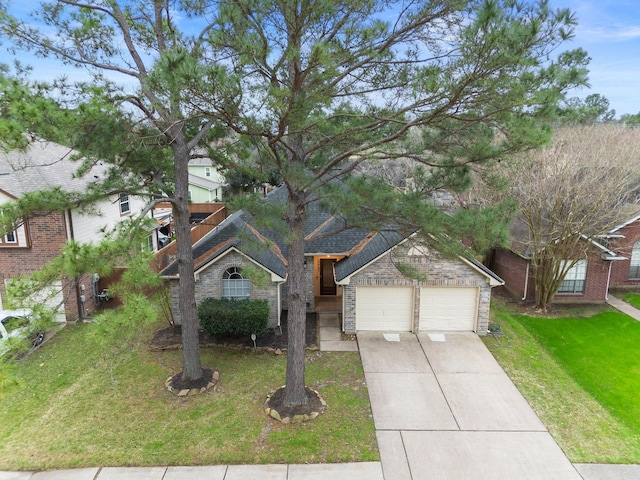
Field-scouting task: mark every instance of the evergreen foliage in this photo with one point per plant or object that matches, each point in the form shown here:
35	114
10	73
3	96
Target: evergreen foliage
228	316
317	90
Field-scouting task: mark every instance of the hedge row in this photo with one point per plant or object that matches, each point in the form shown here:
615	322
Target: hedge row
228	316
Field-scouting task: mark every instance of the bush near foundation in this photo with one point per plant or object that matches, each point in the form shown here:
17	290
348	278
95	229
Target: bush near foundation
228	316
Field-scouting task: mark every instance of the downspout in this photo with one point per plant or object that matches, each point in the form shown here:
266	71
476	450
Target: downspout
606	292
279	303
279	307
526	281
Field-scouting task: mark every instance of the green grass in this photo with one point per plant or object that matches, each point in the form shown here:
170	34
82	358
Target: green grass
601	354
632	298
581	376
80	405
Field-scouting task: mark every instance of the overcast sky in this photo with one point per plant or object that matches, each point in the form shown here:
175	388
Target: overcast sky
609	30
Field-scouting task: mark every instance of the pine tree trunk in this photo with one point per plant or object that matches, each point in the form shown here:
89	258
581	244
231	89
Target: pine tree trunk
191	366
295	393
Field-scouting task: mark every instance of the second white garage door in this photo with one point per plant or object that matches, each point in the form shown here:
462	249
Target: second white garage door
448	309
387	309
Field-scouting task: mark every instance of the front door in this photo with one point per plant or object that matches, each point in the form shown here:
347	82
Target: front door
327	282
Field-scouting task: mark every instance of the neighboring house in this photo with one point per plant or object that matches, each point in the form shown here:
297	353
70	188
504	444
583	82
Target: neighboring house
205	181
39	238
353	272
624	239
587	281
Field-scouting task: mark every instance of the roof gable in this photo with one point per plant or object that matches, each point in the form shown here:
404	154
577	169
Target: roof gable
326	234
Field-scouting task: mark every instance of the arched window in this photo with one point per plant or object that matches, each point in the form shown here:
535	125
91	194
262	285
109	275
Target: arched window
634	269
234	285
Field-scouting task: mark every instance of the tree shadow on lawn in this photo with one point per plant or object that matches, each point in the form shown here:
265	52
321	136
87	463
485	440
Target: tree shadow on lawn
170	338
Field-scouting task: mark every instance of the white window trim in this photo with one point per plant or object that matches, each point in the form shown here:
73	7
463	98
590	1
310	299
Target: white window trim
238	287
575	277
13	234
124	201
634	266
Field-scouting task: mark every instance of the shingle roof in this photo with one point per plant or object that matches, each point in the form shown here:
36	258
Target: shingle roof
42	166
203	182
326	234
377	244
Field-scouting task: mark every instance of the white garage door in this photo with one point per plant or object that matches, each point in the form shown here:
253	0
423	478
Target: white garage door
387	309
448	309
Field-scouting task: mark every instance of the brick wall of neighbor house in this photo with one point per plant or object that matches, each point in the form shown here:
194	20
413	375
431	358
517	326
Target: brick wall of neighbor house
47	235
440	272
512	269
623	247
595	289
209	284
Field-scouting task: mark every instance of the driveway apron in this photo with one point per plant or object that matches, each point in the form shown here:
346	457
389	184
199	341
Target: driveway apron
444	409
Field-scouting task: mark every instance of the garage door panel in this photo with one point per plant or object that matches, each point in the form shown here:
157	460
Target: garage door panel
384	308
448	308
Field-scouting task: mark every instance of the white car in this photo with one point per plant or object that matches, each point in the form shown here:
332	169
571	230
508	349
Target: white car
13	322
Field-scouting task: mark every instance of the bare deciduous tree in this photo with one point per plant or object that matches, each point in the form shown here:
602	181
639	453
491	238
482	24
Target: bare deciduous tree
568	194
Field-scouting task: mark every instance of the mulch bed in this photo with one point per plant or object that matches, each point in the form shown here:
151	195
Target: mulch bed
170	338
275	408
179	384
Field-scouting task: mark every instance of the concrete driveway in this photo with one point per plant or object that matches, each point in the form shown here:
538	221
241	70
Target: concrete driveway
444	409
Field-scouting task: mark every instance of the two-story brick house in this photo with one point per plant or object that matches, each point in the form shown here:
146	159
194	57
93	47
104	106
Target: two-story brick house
39	238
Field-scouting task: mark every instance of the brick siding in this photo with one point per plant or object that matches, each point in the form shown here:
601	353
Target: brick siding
439	272
624	246
209	284
47	234
512	269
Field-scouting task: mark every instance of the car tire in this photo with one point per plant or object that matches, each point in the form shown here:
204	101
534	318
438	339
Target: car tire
37	339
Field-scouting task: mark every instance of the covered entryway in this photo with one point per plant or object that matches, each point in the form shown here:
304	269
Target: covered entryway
449	309
384	308
327	281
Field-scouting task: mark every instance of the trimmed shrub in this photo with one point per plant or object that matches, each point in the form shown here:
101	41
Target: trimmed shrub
229	316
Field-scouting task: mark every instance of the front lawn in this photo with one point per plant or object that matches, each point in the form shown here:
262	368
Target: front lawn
80	405
632	299
581	376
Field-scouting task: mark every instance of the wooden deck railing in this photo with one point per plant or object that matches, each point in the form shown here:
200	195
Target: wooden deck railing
167	254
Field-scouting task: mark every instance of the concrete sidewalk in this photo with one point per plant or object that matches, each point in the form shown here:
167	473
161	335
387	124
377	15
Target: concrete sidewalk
624	307
346	471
